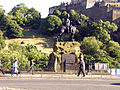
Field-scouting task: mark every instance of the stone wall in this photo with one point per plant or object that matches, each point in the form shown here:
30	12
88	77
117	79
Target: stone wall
116	13
77	7
106	11
97	13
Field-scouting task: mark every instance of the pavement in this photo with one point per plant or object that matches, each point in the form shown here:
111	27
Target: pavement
63	76
53	76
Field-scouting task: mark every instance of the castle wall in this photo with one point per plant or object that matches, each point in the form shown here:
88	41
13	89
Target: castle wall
77	1
107	9
89	3
116	14
52	9
77	7
97	13
110	0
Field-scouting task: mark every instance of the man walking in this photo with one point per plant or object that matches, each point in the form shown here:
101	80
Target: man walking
81	66
31	66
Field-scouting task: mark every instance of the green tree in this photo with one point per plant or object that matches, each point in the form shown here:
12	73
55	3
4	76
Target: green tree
93	49
43	26
14	30
91	46
96	51
3	20
63	17
57	12
18	12
84	29
101	30
33	18
25	16
41	59
113	48
50	24
74	16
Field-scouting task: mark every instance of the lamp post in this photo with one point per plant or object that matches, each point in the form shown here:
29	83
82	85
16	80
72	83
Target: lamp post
61	61
22	45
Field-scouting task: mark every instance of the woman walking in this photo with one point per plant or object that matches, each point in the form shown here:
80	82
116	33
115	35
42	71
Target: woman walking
15	68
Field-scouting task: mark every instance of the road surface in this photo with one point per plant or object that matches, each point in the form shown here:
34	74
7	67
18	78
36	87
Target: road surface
58	84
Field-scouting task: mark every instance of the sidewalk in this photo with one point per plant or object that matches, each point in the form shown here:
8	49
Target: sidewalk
65	76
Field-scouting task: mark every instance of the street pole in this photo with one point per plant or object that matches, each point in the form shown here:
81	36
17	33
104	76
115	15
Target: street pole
22	45
62	61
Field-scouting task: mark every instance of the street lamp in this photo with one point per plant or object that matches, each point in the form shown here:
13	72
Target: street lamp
22	45
61	61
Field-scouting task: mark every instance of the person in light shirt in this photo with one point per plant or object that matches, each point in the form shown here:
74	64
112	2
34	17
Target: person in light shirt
15	68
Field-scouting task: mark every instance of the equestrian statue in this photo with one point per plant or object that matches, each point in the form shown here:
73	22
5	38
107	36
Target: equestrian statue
68	28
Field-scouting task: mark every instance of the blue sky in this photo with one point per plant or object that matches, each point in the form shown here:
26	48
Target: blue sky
41	5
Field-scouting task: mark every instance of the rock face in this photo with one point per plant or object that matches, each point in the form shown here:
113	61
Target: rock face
64	57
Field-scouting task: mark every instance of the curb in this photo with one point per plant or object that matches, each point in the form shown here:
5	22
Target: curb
59	76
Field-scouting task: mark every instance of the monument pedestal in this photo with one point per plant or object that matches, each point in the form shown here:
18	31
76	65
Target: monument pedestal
64	57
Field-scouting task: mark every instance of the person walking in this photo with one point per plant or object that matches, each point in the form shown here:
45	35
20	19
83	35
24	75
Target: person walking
81	66
15	68
1	68
31	65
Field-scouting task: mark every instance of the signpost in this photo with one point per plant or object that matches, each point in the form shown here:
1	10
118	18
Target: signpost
101	66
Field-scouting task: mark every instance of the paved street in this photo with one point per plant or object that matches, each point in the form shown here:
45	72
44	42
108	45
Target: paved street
25	82
60	84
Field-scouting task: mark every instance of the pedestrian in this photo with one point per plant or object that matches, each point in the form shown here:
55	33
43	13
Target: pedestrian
15	68
1	68
31	65
81	66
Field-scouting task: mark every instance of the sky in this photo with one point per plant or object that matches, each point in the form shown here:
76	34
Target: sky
41	5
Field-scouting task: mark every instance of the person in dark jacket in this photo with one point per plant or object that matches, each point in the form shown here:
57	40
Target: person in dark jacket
31	65
81	66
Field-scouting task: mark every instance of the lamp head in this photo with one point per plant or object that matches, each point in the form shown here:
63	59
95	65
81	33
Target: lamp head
22	43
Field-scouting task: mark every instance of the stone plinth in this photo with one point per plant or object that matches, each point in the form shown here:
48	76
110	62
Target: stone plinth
64	57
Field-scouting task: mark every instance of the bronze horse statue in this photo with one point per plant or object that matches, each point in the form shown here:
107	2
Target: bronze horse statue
72	29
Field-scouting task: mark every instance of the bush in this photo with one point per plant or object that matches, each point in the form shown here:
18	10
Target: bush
29	51
14	30
2	42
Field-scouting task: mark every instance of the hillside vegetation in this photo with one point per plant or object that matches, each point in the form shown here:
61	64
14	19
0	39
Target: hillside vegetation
45	44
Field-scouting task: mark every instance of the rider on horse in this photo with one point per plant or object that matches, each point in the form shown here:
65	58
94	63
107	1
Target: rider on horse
68	23
68	28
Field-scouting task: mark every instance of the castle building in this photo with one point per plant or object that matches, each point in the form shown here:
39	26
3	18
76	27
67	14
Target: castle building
107	10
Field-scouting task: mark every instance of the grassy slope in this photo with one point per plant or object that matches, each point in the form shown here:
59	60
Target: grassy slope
33	37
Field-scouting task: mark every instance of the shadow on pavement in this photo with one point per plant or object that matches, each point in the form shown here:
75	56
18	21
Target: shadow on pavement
3	76
115	84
